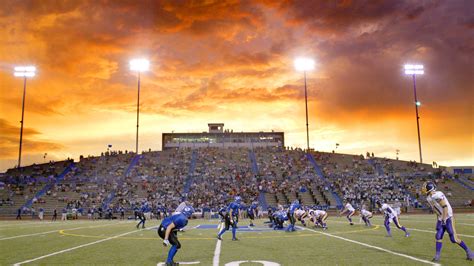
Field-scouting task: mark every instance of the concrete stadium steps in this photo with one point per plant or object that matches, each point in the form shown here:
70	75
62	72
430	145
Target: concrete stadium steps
271	199
291	196
281	198
307	199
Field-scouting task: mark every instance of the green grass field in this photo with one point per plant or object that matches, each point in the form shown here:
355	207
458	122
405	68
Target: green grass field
118	242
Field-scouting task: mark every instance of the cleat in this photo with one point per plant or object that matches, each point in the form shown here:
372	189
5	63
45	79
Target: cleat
407	234
351	223
436	258
470	255
219	238
235	239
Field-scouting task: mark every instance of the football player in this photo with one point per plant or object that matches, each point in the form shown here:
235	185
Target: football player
445	222
231	218
350	212
168	231
251	212
319	218
295	205
391	215
366	215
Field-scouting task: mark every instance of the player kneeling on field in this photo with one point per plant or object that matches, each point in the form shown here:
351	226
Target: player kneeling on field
440	205
319	218
168	231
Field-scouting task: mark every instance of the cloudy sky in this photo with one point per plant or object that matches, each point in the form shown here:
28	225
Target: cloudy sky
232	62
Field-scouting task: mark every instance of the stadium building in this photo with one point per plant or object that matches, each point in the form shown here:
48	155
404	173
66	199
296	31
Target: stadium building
218	137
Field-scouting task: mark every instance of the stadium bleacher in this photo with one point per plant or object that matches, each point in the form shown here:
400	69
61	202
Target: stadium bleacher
208	177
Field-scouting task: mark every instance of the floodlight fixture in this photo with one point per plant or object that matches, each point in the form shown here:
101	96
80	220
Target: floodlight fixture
414	69
304	64
24	71
139	65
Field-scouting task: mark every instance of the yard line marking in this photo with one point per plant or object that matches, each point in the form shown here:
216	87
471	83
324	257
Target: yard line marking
74	248
54	231
466	224
217	253
428	231
375	247
180	263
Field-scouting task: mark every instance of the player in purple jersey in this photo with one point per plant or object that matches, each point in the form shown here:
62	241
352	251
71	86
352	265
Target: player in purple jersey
391	216
440	205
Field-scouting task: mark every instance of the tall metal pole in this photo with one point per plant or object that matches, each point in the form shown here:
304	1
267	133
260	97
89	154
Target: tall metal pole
138	112
417	118
306	104
21	122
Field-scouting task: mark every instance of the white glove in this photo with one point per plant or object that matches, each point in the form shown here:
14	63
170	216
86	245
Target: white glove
166	242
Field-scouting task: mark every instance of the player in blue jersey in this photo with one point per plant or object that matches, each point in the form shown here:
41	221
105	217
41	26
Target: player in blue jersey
295	205
168	231
445	222
251	212
279	218
231	218
391	215
141	215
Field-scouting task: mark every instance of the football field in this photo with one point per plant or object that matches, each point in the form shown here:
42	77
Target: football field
120	243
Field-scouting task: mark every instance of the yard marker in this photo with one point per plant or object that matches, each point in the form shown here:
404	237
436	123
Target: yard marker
217	253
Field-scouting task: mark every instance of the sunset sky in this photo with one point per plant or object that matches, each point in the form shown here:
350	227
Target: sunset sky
232	62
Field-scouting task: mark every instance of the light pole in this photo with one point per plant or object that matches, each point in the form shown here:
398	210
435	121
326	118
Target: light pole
24	72
139	65
416	70
305	64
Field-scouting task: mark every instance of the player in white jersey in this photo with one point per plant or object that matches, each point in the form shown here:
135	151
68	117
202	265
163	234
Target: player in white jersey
366	215
445	222
300	215
391	215
319	218
350	212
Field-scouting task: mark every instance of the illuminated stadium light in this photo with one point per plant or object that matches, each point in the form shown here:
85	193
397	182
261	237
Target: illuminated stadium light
414	69
304	64
24	71
139	65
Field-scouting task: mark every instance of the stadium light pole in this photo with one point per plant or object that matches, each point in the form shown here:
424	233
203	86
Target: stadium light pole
416	70
305	64
24	72
139	65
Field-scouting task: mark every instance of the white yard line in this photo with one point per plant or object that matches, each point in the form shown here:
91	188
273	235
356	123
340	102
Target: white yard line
466	224
55	231
373	247
74	248
217	253
433	232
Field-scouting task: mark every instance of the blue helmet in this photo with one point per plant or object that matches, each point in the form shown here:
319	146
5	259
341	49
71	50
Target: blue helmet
238	199
188	211
428	187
